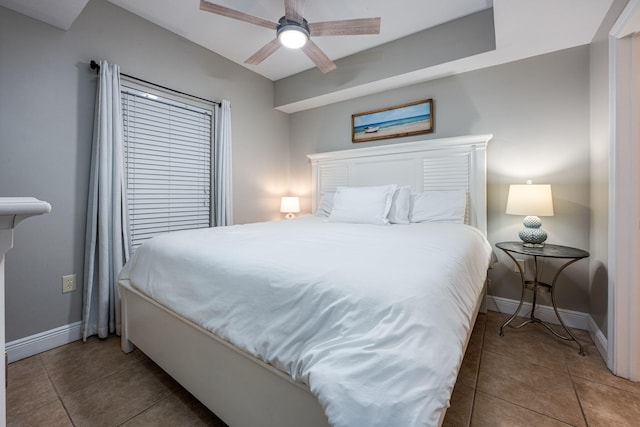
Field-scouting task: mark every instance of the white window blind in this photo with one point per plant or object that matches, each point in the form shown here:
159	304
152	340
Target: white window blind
168	164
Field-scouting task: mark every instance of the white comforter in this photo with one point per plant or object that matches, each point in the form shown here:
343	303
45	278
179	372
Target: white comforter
373	318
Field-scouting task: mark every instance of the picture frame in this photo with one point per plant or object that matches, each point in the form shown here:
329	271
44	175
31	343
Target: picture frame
413	118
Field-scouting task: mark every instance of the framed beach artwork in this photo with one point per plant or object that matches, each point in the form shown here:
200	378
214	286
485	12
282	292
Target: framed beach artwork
413	118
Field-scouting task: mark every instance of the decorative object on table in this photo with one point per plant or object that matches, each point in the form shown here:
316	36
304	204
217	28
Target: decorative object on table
295	32
532	200
413	118
290	206
565	253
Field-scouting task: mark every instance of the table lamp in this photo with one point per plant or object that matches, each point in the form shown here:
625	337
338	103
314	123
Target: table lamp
290	205
532	201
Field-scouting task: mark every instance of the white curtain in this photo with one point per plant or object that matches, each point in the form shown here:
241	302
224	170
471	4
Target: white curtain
106	244
223	206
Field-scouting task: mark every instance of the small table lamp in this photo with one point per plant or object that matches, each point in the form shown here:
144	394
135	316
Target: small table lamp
533	201
290	205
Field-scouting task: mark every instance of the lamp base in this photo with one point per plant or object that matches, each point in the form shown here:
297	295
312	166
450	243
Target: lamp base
289	216
532	235
532	245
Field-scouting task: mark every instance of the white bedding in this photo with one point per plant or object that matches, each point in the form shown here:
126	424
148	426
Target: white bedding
373	318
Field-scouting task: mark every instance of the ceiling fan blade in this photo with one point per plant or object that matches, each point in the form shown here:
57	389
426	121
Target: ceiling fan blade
294	9
348	27
264	52
235	14
318	57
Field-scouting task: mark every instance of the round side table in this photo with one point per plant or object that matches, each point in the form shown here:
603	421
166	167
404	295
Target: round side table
548	251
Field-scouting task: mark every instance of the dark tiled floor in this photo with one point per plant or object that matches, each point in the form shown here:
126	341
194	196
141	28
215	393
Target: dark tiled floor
529	378
525	378
96	384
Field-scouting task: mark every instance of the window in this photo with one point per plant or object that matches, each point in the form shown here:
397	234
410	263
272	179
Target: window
168	163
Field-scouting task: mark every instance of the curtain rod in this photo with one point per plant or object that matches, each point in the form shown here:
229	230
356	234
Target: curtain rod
95	66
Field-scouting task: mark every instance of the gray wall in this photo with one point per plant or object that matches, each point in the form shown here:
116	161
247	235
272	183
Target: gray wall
538	111
461	38
47	97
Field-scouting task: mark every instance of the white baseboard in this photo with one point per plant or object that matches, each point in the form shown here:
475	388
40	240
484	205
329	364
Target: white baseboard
34	344
598	339
573	319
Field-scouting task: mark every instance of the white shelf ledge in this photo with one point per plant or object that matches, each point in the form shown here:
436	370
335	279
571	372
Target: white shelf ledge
15	209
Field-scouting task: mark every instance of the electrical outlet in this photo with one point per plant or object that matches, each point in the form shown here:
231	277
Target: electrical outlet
521	264
68	283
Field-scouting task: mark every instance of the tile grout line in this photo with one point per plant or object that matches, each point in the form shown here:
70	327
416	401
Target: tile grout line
53	384
169	393
60	396
92	382
475	389
602	383
135	362
537	366
9	380
534	365
145	409
584	416
524	407
575	390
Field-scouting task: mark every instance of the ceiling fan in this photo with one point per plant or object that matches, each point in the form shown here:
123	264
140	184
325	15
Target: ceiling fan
293	31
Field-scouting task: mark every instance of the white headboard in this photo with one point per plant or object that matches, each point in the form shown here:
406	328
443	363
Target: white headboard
436	164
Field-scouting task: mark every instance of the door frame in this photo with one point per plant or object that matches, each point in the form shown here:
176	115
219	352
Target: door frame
623	339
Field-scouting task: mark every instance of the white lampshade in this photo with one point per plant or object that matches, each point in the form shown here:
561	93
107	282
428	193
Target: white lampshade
290	205
292	38
530	199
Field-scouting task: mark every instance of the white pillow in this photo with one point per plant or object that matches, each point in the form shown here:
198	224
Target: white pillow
363	205
400	206
326	204
439	206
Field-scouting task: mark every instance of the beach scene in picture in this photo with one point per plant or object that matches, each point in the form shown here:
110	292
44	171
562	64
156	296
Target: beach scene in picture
408	119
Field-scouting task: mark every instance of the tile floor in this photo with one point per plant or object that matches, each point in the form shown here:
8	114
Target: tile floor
526	378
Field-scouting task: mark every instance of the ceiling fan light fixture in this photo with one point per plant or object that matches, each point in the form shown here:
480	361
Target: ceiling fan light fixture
293	38
292	34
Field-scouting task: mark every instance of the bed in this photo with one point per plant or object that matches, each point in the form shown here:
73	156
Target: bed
289	364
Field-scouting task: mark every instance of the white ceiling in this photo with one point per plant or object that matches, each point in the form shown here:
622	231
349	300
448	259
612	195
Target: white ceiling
522	26
59	13
237	40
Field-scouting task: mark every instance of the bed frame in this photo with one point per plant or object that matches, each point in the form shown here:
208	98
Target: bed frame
244	391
